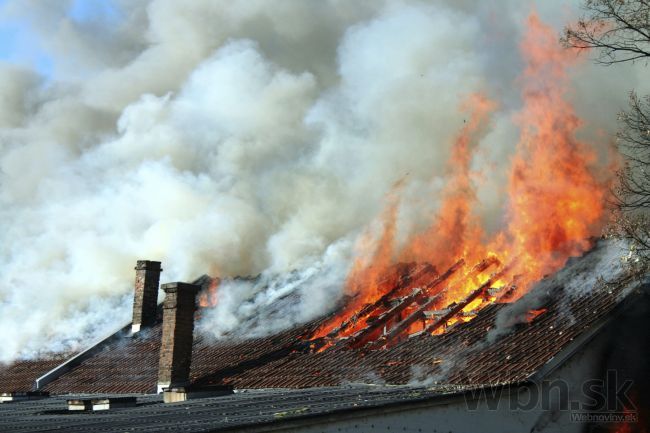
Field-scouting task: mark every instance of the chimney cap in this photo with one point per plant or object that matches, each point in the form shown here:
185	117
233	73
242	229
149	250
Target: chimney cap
149	265
180	287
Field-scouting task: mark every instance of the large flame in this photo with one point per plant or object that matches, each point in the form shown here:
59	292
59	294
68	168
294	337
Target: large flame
556	204
556	197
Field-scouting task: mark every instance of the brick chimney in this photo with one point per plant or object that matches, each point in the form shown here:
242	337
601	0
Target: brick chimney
145	297
178	326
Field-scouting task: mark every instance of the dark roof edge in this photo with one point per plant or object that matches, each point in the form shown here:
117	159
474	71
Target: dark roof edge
380	408
587	336
77	359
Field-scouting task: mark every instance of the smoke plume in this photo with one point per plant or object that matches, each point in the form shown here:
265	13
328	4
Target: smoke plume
244	138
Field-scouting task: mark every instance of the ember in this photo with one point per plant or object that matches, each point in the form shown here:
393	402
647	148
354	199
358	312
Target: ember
532	314
555	206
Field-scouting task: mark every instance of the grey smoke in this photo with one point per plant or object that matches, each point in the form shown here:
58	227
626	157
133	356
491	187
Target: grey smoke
421	376
239	138
272	301
606	263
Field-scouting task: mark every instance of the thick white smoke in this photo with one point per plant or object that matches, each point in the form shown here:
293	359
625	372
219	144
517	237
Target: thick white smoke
238	138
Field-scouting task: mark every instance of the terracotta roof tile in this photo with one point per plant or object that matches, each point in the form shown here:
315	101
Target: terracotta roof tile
462	355
20	375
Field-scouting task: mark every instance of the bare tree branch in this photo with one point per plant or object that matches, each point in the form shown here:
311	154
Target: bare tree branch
619	30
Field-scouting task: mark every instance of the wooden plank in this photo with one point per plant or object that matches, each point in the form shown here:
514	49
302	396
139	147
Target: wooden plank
418	296
454	309
419	313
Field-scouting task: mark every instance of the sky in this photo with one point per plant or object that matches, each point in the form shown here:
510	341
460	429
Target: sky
19	46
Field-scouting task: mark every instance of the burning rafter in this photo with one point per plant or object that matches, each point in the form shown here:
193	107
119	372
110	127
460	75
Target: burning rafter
377	316
458	307
555	205
419	313
418	296
406	323
382	302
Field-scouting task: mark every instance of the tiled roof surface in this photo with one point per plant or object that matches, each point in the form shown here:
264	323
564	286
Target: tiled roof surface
460	356
127	365
130	365
466	354
20	375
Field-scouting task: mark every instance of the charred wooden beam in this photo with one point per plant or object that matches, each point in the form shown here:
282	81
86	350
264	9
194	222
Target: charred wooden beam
364	335
406	323
485	264
419	313
456	308
418	296
381	302
509	291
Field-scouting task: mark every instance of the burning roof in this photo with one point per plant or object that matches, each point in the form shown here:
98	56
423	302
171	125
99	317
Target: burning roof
502	342
445	264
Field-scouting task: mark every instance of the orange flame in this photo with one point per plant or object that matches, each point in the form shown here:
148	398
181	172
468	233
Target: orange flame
208	297
454	228
555	192
533	314
556	196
